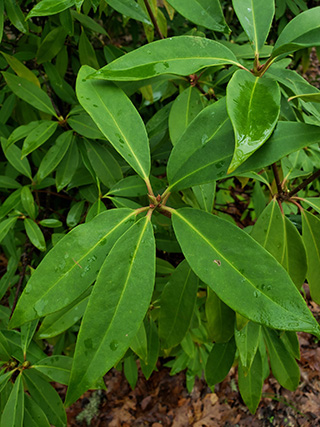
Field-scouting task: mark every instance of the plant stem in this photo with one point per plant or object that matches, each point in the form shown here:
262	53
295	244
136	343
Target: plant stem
304	184
266	65
149	187
277	178
153	19
140	210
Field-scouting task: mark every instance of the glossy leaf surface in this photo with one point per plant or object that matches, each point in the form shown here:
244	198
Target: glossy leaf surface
253	105
50	7
30	93
35	234
76	258
302	31
219	362
283	365
130	8
255	17
182	55
311	240
250	383
117	118
111	320
247	340
256	290
177	304
206	13
38	136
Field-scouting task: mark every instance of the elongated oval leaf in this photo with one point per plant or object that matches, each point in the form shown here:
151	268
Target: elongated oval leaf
57	368
13	154
33	414
247	340
207	13
250	383
130	8
117	118
30	93
222	256
311	239
182	55
35	234
177	304
75	259
253	105
220	318
5	226
220	361
21	69
50	7
303	31
13	412
111	319
38	136
255	17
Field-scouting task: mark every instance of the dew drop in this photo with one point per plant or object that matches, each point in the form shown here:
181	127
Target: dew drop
114	345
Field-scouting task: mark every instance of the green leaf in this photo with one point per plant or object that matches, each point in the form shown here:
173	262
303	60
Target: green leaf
21	69
182	55
68	166
117	118
1	19
130	370
27	332
35	234
13	154
104	164
314	202
74	214
283	365
259	291
131	186
16	16
311	240
149	364
28	201
184	109
50	7
253	105
177	304
46	397
54	155
207	13
220	318
21	132
279	236
29	93
199	152
88	22
126	275
57	368
131	9
205	195
255	17
85	126
86	52
76	258
13	412
5	226
139	343
307	97
219	362
51	45
58	322
302	31
250	383
34	415
59	85
10	203
8	183
247	341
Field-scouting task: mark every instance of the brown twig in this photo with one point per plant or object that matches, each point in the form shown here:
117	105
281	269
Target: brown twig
277	178
153	19
304	184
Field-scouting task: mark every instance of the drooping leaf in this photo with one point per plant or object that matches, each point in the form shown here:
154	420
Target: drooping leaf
68	166
38	136
26	334
250	382
86	52
206	13
28	201
302	31
13	412
253	105
139	343
182	55
111	320
219	362
131	9
177	304
50	7
88	22
220	318
76	258
21	69
5	226
16	15
283	365
51	45
255	17
30	93
13	155
117	118
54	155
184	109
259	291
153	347
33	414
46	397
311	240
247	340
